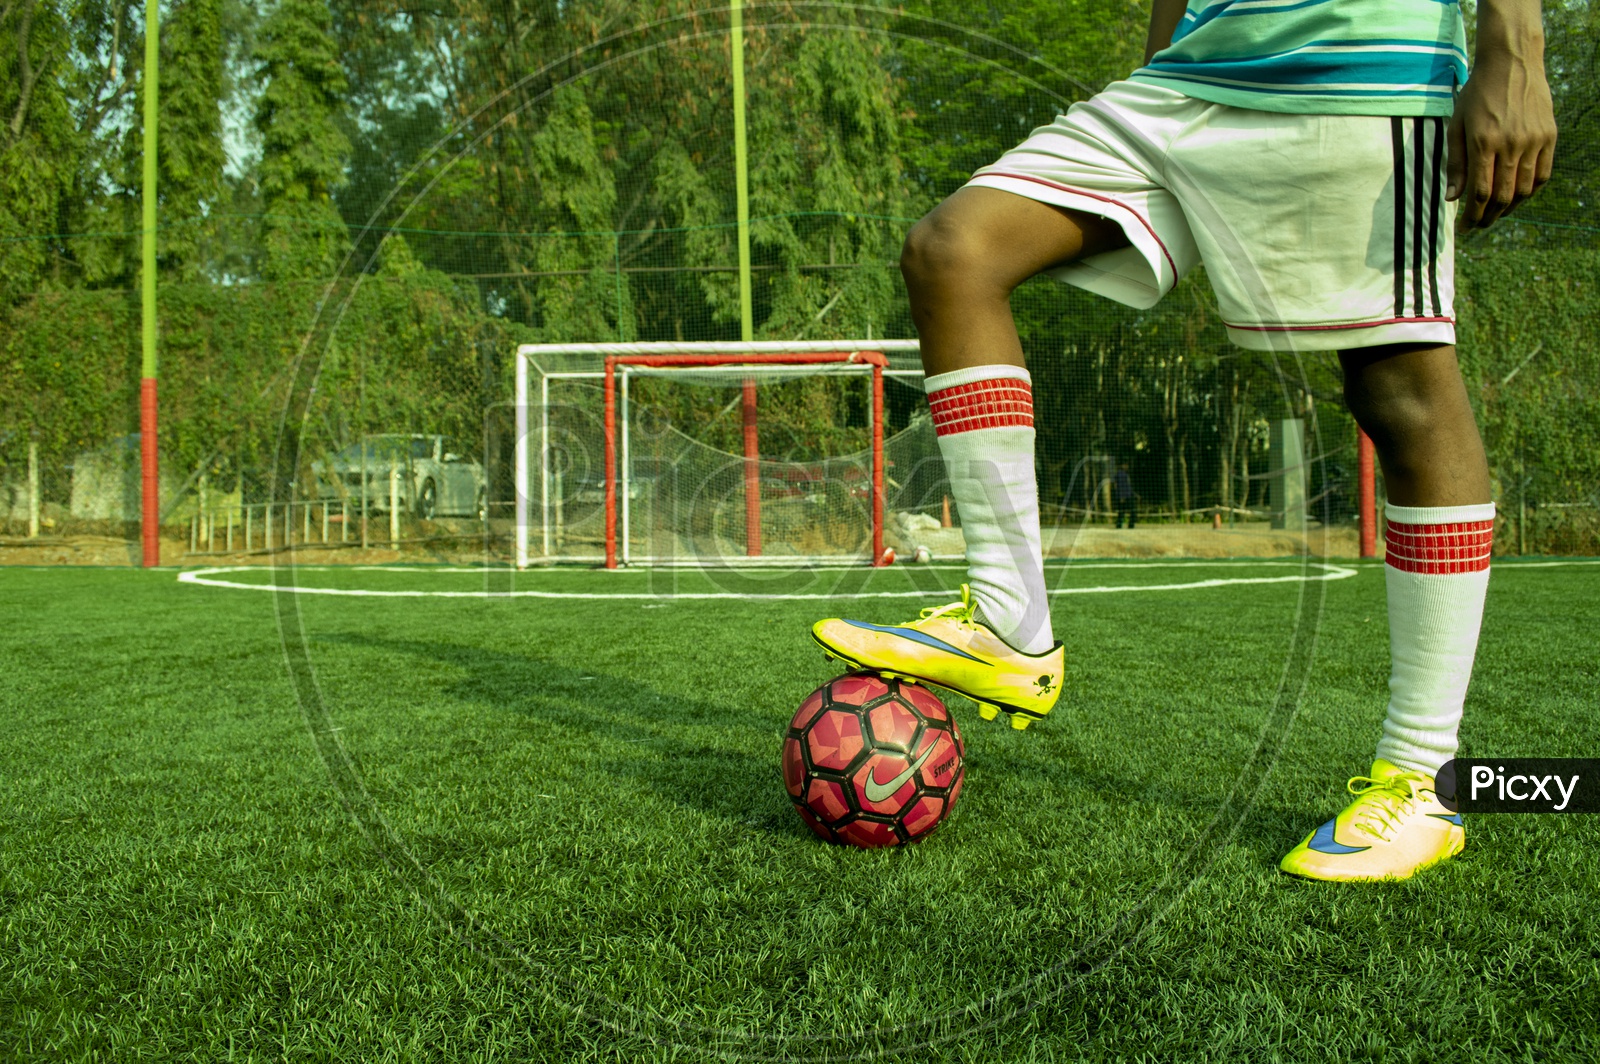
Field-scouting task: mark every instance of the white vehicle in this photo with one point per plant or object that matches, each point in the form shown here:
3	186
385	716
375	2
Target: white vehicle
436	477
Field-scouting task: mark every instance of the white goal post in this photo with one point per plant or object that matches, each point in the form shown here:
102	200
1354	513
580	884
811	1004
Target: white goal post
609	366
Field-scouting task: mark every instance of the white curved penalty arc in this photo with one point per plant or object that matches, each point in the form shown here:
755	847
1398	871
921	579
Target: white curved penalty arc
214	578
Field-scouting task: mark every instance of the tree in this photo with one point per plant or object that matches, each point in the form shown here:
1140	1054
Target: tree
190	154
582	298
302	150
36	143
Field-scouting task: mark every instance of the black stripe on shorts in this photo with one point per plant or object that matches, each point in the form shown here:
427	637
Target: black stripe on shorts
1419	172
1433	216
1398	135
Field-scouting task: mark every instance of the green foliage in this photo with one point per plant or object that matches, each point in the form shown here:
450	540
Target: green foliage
1531	363
303	150
190	154
826	185
577	199
403	356
976	78
37	142
564	171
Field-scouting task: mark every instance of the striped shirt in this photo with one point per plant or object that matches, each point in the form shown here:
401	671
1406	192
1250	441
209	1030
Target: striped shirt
1349	57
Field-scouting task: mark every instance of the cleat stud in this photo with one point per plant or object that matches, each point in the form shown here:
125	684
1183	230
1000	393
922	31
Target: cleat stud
987	712
1019	722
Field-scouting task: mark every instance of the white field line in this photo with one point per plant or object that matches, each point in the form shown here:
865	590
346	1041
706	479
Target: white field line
212	578
1050	565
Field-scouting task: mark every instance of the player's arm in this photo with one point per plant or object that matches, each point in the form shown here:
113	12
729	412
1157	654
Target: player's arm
1164	18
1503	135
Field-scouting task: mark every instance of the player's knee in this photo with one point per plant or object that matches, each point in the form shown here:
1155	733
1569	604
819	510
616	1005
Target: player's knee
1399	419
1389	416
937	253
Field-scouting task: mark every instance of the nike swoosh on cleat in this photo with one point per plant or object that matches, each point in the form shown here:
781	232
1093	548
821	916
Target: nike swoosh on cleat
917	637
1454	818
877	792
1322	841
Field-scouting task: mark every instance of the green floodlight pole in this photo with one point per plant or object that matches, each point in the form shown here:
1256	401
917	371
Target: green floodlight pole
741	187
741	171
150	481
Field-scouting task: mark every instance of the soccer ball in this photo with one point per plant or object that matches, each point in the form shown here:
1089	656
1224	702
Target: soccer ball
873	762
922	556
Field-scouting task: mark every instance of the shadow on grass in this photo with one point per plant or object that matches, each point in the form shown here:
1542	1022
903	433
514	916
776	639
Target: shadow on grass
639	731
630	723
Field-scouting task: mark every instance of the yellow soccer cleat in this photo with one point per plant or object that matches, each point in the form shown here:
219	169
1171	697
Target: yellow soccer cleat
1395	828
948	647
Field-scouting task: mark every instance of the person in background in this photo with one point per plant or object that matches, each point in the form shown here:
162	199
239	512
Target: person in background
1126	498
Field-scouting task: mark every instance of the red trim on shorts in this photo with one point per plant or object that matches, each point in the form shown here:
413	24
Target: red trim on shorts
1439	549
1002	402
1094	196
1327	328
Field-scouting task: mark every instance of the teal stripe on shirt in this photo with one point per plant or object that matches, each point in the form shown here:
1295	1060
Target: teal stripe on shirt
1318	56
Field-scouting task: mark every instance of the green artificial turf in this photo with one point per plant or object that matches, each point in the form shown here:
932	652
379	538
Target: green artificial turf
240	825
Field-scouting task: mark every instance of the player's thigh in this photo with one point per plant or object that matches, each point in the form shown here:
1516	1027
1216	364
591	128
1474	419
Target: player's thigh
983	236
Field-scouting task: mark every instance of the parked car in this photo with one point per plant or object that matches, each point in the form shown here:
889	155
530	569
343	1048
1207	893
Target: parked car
593	489
437	477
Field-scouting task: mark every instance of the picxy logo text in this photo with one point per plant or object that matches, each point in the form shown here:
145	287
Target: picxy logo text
1520	785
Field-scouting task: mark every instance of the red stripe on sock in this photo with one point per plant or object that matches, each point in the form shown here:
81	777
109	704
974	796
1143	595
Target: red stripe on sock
1000	403
1439	549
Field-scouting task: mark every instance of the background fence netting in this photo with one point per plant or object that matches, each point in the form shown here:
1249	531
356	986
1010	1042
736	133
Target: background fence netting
364	209
683	492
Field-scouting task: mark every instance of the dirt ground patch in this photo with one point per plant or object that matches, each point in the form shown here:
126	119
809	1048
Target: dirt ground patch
108	551
1250	540
1256	540
1245	540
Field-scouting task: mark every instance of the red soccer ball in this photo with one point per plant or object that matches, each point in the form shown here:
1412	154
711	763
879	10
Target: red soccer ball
873	762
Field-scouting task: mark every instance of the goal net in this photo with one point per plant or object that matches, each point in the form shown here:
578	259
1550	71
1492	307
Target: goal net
713	453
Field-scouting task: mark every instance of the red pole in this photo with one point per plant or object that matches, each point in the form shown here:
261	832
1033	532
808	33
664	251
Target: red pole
877	464
611	463
149	474
752	473
1369	495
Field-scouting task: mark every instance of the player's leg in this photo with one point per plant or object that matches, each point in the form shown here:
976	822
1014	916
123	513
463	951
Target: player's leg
1411	400
961	263
1082	198
1439	529
1345	240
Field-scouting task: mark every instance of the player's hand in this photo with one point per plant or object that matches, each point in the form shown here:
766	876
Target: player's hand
1502	138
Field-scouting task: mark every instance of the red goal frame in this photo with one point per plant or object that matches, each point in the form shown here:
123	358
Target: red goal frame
752	456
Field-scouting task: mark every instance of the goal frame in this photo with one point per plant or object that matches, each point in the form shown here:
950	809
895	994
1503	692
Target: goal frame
871	355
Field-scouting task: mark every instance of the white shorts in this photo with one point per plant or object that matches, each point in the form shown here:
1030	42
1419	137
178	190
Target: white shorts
1318	232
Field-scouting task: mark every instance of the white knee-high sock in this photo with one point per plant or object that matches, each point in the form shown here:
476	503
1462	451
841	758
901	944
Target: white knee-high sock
984	419
1437	572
